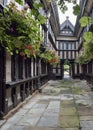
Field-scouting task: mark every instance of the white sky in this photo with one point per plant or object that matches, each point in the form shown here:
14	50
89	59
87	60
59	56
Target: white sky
69	12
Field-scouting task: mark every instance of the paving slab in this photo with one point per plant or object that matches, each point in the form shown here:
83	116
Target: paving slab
69	122
36	111
67	103
6	126
21	112
85	110
71	129
54	104
2	122
48	122
17	128
39	105
87	128
28	120
29	105
51	112
86	124
86	118
84	102
40	128
67	111
14	119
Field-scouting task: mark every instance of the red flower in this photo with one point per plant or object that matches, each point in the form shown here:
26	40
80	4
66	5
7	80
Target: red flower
29	47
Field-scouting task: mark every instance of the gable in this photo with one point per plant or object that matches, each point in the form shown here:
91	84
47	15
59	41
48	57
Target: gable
67	28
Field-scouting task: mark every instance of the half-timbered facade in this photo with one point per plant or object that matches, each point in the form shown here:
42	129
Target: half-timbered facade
20	77
67	47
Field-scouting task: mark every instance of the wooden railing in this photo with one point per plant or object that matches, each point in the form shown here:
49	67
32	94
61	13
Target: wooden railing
18	91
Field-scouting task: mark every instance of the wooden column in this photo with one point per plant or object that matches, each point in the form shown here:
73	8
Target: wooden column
62	69
73	69
2	83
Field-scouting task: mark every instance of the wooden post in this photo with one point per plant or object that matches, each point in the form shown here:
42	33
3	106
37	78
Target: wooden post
2	83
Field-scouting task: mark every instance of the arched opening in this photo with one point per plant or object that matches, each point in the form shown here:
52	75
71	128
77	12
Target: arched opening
67	69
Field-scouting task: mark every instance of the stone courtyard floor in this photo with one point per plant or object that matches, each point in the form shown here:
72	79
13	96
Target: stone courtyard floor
62	105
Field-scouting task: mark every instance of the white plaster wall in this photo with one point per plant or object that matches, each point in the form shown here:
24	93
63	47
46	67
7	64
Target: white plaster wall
75	69
65	55
80	68
69	56
54	71
8	67
73	54
59	71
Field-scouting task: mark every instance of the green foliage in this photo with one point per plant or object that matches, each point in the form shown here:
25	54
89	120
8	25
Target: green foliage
82	59
41	19
66	62
35	12
76	9
19	31
62	5
66	68
37	5
88	49
19	1
50	56
87	53
88	36
85	20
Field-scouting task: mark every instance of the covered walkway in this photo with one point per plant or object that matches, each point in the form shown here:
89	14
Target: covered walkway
62	105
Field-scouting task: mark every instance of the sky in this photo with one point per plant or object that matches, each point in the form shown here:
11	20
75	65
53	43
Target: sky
69	12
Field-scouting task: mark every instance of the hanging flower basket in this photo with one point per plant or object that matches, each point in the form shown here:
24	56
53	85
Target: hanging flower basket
19	31
50	56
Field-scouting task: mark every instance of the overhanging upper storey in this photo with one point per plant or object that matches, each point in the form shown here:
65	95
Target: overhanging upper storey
85	10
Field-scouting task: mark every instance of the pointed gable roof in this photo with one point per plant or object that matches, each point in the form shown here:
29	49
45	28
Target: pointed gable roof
67	28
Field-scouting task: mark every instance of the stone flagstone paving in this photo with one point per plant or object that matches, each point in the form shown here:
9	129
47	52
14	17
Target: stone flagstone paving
62	105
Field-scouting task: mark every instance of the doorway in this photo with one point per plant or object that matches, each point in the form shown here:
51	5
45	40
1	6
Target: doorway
67	68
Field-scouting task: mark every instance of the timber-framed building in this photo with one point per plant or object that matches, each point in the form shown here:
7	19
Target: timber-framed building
20	78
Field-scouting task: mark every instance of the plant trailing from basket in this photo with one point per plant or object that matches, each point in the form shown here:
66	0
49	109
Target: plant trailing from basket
50	56
19	31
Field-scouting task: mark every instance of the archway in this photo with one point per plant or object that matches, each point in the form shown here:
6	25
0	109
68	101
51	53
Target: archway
67	69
